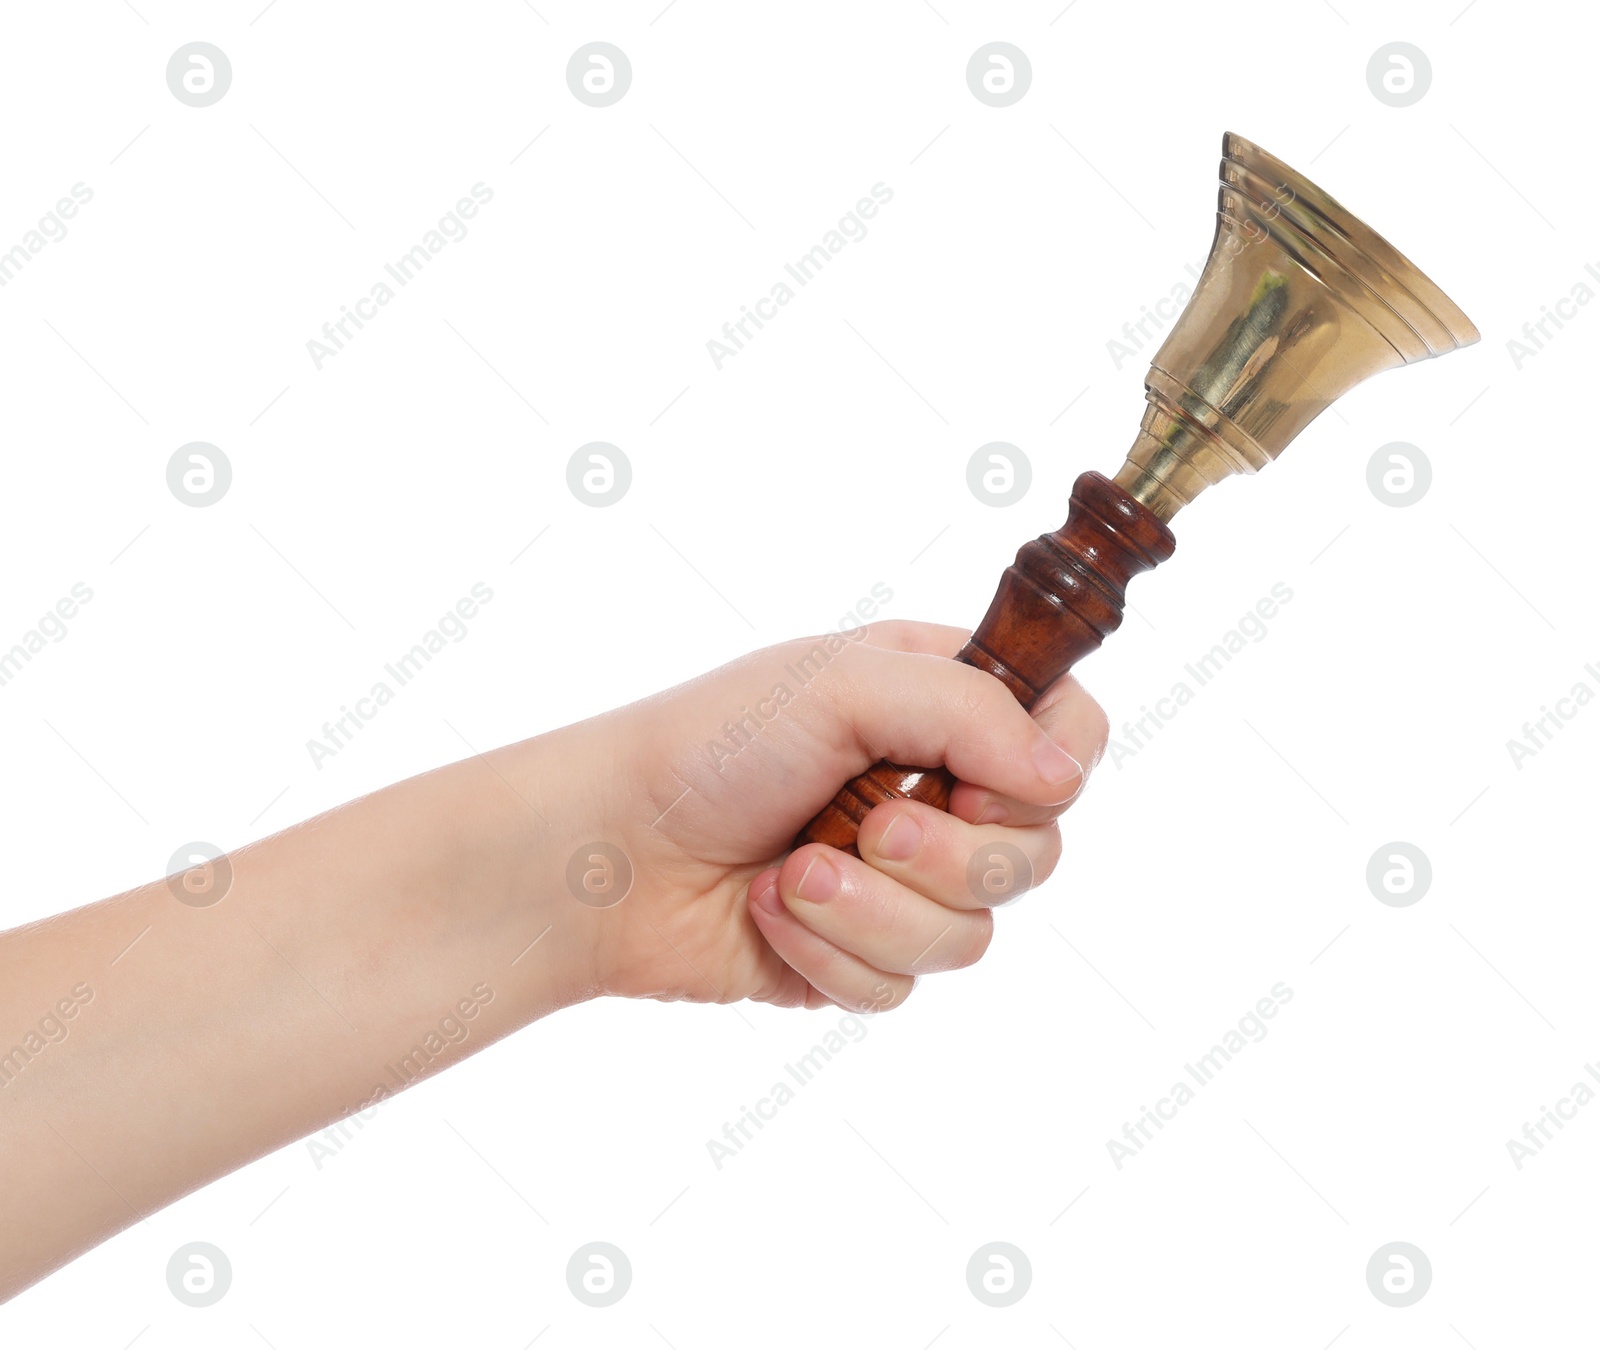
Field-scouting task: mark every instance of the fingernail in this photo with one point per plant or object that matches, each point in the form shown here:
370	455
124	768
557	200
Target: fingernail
901	840
992	814
819	882
767	897
1054	764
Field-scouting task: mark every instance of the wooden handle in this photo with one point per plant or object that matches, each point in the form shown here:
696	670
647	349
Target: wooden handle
1055	605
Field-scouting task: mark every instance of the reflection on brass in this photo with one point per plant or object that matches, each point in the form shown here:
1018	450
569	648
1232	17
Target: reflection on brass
1299	302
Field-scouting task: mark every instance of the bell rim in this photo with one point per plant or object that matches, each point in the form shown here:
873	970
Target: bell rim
1367	243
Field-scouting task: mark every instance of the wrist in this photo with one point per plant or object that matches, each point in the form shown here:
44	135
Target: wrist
571	860
508	814
588	856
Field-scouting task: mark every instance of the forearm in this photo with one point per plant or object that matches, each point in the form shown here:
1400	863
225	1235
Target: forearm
164	1043
155	1041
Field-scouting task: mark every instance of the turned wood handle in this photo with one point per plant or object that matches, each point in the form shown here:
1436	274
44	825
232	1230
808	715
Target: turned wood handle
1055	605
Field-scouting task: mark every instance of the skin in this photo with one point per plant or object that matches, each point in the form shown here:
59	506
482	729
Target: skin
213	1033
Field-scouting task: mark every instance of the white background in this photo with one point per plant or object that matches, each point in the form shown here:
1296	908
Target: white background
1225	857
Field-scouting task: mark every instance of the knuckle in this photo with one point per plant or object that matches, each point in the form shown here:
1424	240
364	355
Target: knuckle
1049	858
898	633
979	696
886	995
1101	727
980	934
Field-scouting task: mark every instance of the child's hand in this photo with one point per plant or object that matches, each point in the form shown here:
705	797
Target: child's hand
317	972
714	779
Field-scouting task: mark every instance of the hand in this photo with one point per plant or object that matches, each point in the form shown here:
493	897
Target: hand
715	778
382	941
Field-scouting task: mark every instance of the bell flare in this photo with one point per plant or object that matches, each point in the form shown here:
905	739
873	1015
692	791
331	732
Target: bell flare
1299	302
